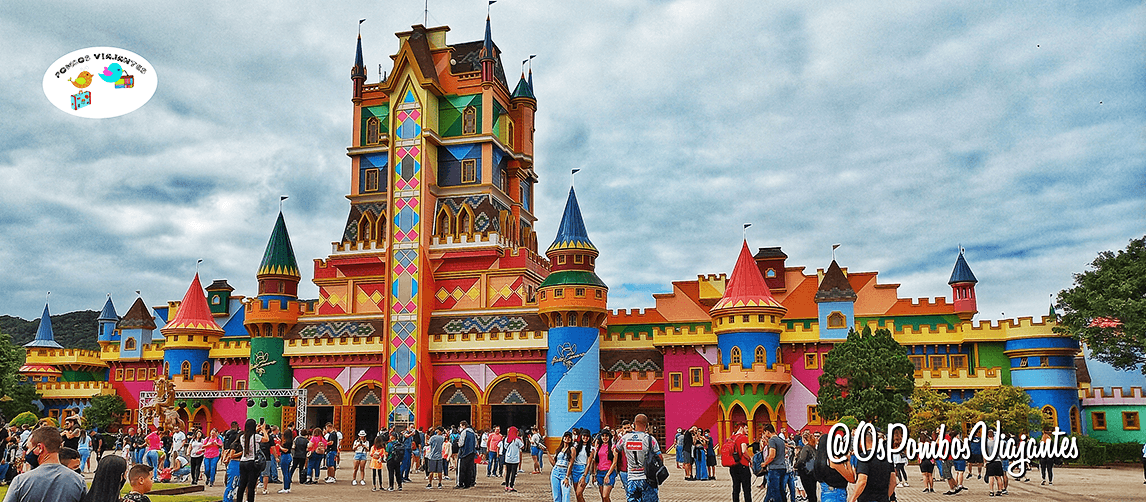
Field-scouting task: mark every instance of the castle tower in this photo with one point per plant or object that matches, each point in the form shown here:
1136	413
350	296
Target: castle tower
268	318
107	320
1043	366
45	337
189	336
135	331
572	303
835	303
746	322
358	73
963	289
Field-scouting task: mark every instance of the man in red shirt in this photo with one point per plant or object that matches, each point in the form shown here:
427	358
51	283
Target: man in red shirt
493	466
741	473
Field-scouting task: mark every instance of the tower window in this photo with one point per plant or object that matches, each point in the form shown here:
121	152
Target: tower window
227	383
469	170
735	355
469	120
559	293
207	370
598	294
129	376
1130	421
372	131
119	374
771	273
129	344
371	180
959	362
1023	362
574	400
185	370
938	362
745	319
216	299
731	319
167	369
509	138
761	356
579	292
810	361
561	260
837	320
572	319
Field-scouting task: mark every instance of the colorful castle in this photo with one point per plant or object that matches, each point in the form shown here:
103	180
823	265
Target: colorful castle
434	305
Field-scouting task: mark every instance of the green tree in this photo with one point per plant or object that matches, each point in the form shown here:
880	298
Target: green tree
869	376
104	411
27	418
1106	308
1011	406
929	409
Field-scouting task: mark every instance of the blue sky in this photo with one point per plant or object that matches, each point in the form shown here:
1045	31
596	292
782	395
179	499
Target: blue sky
900	130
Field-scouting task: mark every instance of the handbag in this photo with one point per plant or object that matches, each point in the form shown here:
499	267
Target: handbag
655	466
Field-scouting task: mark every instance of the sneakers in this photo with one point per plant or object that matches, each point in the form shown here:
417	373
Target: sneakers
330	481
285	490
429	486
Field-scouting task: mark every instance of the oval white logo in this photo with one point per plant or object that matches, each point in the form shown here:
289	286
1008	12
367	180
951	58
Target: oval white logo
100	82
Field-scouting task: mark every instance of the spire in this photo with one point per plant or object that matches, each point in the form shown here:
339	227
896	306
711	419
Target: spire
487	44
108	312
746	287
279	257
835	286
524	89
137	317
531	79
962	272
359	69
193	312
571	234
44	336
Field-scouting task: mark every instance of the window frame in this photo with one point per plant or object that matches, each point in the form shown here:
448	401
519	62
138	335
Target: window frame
811	360
469	121
469	171
837	320
814	417
695	376
734	356
1126	423
371	182
676	381
1095	417
575	400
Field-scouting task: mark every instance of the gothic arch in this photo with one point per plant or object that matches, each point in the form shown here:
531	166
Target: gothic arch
366	228
444	223
465	220
328	387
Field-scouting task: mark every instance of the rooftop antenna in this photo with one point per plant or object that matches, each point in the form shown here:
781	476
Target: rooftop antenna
426	14
571	174
834	246
744	231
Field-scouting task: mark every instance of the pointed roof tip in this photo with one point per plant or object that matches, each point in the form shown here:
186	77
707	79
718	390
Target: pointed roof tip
523	89
571	234
279	258
193	311
487	43
137	317
45	337
962	271
108	312
746	287
359	68
835	286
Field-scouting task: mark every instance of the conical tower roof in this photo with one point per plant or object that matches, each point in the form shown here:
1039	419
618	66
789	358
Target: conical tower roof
44	336
746	287
108	312
835	286
279	256
137	317
523	90
571	234
193	312
487	43
962	271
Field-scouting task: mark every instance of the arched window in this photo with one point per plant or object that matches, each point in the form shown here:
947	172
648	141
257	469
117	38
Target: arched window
761	355
558	320
585	320
206	370
129	344
837	320
509	134
443	224
465	220
366	228
185	370
372	131
572	319
167	369
1051	413
735	355
469	120
282	330
1074	420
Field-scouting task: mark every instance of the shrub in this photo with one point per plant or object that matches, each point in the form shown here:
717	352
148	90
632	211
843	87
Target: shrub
27	418
1124	452
1090	451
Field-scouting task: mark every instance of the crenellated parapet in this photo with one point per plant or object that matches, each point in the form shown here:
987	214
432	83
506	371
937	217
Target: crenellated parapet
635	316
231	349
66	357
960	378
149	351
489	341
196	382
327	346
759	378
698	335
74	390
1112	396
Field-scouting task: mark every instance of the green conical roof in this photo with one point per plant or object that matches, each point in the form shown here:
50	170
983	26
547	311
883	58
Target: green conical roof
279	257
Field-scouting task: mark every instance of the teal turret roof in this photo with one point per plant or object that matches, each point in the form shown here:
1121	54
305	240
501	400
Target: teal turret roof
523	90
44	336
108	312
279	257
571	234
962	271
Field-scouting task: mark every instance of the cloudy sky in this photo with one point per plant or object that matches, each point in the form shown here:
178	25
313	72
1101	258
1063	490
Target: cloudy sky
900	130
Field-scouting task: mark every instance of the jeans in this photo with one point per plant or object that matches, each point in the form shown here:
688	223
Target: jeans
561	491
404	469
313	467
741	480
829	494
153	461
284	463
137	455
639	490
775	490
490	463
211	465
299	464
790	482
85	453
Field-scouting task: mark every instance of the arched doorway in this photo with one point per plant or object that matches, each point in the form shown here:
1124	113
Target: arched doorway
735	416
513	401
456	402
367	402
321	399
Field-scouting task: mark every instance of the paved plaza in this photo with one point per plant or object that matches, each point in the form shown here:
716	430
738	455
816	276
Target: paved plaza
1117	484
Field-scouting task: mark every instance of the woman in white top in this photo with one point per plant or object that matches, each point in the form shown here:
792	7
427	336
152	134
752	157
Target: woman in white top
195	449
246	445
512	446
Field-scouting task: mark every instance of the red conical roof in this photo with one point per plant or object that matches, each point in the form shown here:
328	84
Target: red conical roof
746	287
193	312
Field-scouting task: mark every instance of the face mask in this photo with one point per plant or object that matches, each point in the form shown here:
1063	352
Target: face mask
32	459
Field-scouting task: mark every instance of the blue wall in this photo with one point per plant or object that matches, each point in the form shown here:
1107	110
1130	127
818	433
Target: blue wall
847	309
748	341
583	376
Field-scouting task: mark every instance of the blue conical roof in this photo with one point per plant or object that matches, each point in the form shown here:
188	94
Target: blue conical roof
108	312
487	44
962	272
44	335
571	234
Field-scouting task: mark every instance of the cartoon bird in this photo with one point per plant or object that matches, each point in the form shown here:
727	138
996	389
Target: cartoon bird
111	73
82	80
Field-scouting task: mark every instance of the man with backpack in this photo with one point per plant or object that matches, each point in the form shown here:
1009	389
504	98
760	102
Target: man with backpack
806	462
734	455
776	464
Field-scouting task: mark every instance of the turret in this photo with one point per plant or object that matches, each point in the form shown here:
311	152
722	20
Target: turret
189	337
107	320
358	72
269	317
572	302
135	330
488	55
45	337
963	289
835	303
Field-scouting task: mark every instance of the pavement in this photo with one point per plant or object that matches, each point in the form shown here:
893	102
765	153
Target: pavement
1110	484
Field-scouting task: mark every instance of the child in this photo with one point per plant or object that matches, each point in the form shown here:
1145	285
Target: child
140	478
377	461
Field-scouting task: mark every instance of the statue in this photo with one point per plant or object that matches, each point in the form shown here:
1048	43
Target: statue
161	410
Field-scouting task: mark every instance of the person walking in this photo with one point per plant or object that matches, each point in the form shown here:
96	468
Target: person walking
196	451
285	445
492	445
678	443
298	456
559	462
361	448
48	481
377	463
1046	464
332	444
436	457
394	458
639	447
776	463
212	448
467	450
834	477
603	462
248	445
512	457
536	446
740	472
804	464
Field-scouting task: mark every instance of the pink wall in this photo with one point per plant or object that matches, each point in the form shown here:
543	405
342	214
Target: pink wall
691	405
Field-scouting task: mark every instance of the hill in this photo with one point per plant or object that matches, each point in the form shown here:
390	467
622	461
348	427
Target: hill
73	330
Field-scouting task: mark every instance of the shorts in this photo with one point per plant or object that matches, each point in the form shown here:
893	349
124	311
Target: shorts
416	452
926	466
946	471
994	468
270	470
687	457
535	451
435	465
976	458
960	465
331	458
359	456
601	481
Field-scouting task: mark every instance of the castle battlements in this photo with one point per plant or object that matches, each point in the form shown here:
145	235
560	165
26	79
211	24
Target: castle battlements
327	346
635	316
779	375
196	382
64	357
74	390
489	341
1098	396
356	247
958	378
231	349
452	242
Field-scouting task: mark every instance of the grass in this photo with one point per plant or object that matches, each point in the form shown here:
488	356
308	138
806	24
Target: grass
195	497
